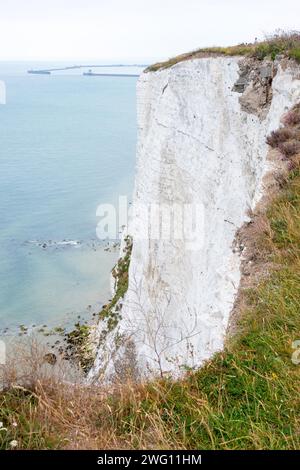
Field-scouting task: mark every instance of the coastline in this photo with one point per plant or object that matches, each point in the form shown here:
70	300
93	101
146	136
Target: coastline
60	340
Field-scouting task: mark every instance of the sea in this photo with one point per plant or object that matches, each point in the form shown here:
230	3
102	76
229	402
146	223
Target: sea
67	144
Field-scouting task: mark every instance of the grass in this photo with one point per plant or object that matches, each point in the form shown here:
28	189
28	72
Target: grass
285	43
21	423
246	397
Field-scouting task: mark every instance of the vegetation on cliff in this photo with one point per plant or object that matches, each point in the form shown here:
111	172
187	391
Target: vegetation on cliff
110	314
281	43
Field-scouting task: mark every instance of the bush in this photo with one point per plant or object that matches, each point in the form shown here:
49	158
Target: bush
287	138
280	136
265	49
289	148
292	118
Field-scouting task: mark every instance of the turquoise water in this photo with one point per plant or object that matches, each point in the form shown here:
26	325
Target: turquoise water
67	144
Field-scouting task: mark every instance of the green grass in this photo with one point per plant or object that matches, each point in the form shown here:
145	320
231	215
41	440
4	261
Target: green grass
21	423
287	44
295	54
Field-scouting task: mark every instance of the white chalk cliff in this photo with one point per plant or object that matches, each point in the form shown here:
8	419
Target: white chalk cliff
197	145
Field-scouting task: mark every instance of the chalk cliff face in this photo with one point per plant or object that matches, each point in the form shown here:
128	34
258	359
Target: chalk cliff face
198	146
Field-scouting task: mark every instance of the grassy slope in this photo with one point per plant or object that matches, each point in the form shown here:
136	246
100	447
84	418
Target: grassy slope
246	397
287	44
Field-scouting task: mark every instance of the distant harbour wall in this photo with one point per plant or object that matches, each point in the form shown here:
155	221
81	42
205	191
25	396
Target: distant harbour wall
74	67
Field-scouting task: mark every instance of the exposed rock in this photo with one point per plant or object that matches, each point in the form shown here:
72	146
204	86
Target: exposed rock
50	358
255	84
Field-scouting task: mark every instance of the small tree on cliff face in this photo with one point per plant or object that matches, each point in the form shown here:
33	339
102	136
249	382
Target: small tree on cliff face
154	324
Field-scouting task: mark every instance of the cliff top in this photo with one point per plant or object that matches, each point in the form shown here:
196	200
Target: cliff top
282	43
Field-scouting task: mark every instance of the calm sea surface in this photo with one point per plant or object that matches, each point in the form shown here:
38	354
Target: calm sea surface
67	144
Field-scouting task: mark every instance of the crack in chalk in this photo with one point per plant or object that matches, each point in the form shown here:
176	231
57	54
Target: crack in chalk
185	134
229	222
195	138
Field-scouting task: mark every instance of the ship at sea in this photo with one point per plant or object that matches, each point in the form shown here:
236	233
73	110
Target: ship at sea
90	73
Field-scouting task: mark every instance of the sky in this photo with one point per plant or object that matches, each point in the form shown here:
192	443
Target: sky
134	30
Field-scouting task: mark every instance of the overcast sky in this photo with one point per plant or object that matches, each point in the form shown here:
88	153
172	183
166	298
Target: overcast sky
134	29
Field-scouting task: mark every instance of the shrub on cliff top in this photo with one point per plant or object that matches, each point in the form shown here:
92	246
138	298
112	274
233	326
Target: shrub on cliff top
295	54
